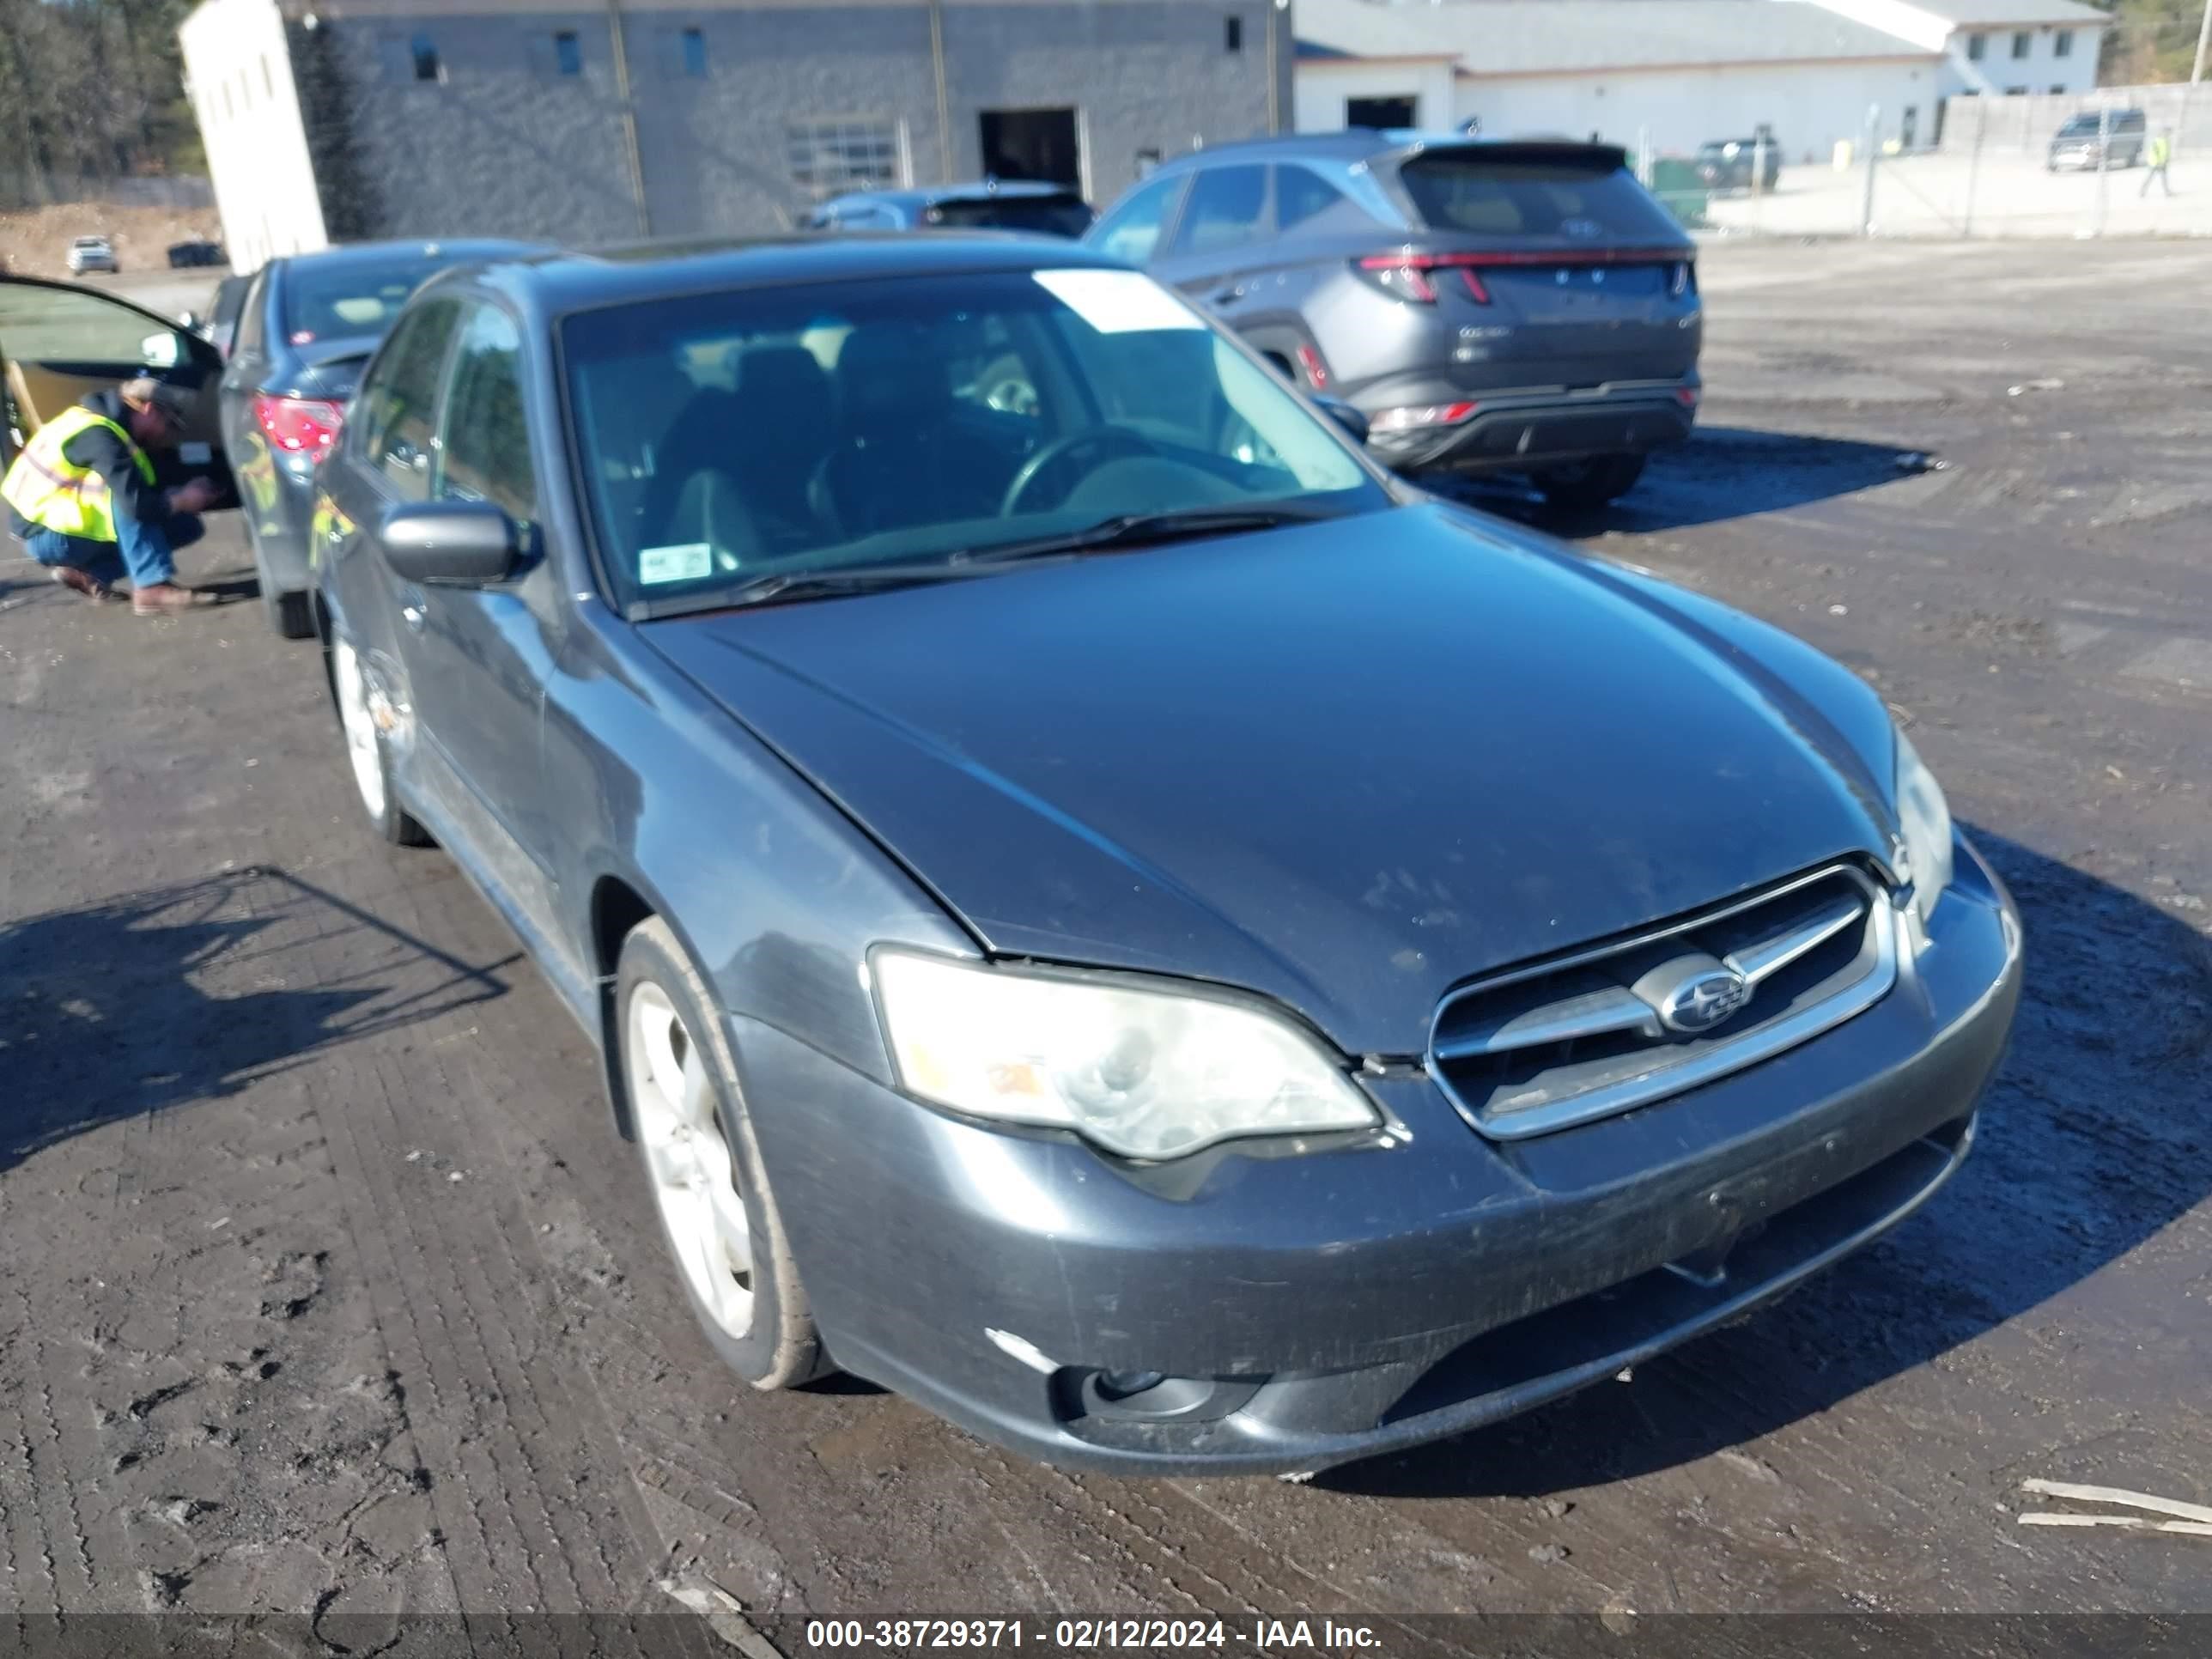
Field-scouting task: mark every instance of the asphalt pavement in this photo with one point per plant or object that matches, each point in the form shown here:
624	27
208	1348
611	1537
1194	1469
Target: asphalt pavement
330	1291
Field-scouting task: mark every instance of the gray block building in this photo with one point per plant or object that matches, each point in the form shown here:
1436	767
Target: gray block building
586	121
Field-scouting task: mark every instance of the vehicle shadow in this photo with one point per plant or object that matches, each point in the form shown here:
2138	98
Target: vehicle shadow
1723	472
129	1006
2061	1183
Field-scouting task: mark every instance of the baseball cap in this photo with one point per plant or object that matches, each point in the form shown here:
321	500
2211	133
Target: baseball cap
146	391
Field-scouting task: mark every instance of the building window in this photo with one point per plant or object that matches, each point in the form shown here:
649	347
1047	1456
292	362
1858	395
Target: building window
695	53
1382	114
2016	92
426	66
2062	44
829	157
567	52
2059	91
2022	41
1977	46
1233	33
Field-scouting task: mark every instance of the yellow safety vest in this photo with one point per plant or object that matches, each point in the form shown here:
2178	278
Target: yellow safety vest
54	492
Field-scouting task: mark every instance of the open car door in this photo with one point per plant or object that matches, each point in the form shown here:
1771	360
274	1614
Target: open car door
59	342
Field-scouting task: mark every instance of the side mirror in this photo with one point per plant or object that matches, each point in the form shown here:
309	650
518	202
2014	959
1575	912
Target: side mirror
450	544
1354	422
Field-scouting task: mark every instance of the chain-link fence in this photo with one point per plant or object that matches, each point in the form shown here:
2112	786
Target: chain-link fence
2118	161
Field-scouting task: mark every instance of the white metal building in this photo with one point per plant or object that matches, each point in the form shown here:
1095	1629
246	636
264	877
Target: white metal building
1999	47
238	70
1669	73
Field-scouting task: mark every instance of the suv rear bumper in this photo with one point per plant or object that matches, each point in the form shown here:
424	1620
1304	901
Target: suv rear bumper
1516	431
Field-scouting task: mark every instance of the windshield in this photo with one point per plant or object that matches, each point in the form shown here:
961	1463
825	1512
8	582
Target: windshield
1047	215
324	302
918	423
1499	193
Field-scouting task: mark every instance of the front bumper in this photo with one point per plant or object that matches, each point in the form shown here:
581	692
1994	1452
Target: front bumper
1519	431
1313	1309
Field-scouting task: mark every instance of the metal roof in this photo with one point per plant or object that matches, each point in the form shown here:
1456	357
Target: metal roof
1978	13
1537	37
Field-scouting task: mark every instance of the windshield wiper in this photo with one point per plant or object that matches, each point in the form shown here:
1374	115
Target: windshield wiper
796	585
1150	530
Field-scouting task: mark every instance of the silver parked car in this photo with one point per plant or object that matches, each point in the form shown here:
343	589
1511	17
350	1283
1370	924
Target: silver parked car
1518	305
92	254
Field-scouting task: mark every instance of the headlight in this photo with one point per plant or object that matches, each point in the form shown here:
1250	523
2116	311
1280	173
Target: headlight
1924	817
1145	1073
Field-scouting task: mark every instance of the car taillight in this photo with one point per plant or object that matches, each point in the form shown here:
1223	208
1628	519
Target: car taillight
1405	275
307	426
1316	371
1421	415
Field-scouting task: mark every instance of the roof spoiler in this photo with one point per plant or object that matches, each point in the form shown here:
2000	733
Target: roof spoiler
1572	151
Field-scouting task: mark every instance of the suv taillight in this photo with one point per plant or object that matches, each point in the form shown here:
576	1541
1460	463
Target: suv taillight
307	426
1405	275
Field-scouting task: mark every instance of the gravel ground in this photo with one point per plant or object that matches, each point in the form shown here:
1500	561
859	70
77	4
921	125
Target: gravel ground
329	1292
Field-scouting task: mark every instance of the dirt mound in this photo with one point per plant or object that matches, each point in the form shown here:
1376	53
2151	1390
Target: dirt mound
36	242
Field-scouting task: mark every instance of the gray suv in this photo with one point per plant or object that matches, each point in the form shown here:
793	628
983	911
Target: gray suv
1488	305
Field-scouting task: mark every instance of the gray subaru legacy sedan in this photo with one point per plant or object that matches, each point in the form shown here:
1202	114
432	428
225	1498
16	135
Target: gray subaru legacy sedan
1104	911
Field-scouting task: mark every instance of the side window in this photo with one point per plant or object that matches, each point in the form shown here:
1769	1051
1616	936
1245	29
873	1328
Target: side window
252	328
1302	194
1225	205
484	450
397	405
1132	230
75	326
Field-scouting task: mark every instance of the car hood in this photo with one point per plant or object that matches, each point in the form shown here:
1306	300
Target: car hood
1345	765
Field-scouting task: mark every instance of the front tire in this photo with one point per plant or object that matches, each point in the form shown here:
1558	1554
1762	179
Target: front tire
1594	482
702	1166
367	753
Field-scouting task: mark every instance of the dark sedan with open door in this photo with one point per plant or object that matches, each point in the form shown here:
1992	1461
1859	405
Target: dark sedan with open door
59	343
303	330
1111	915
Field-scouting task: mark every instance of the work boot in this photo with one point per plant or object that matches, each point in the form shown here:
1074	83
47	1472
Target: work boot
78	581
164	599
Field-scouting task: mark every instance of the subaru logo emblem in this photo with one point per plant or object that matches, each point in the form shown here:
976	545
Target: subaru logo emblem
1704	999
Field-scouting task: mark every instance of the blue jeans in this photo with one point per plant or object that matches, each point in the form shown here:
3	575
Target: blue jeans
145	551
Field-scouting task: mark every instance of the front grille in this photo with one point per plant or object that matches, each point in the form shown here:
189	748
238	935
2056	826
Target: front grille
1600	1031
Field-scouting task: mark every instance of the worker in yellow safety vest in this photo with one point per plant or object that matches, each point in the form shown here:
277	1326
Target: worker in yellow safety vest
84	500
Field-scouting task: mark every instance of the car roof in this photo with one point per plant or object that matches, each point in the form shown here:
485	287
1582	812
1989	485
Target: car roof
461	250
1370	144
1005	189
90	241
559	282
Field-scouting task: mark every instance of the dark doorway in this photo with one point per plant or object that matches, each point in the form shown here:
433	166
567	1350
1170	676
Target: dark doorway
1033	143
1381	112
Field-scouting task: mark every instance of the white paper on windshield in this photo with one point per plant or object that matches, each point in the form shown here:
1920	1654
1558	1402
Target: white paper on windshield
1117	301
684	561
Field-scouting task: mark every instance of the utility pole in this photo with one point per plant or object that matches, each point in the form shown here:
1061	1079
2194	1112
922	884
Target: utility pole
1873	150
631	153
944	97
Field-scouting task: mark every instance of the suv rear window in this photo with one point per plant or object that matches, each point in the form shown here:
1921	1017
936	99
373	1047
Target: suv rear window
1501	194
1045	215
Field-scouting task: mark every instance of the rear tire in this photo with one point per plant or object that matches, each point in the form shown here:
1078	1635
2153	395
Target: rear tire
1593	483
289	614
703	1167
